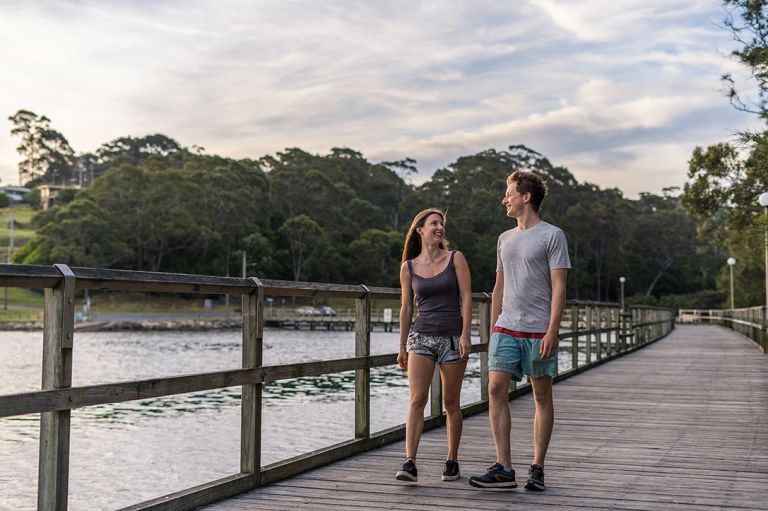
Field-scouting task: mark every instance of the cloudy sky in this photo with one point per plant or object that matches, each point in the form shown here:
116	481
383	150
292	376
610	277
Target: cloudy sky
618	92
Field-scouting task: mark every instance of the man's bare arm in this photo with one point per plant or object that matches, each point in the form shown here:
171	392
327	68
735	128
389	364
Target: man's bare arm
496	298
551	341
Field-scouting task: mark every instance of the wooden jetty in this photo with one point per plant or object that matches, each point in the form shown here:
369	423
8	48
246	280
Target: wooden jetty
678	425
594	333
344	321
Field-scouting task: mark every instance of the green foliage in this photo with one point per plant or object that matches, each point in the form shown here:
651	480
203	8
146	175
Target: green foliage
375	257
340	218
706	299
46	155
306	242
727	178
748	22
5	201
183	213
129	150
32	198
66	196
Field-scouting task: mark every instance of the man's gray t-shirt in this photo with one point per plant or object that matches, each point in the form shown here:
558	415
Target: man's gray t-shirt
526	258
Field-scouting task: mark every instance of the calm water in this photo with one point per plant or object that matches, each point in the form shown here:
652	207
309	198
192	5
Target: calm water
126	453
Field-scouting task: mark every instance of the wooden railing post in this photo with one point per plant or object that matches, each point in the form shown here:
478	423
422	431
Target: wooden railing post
764	308
610	333
601	316
253	342
647	314
619	330
484	324
632	337
58	330
647	328
637	319
363	376
590	327
575	337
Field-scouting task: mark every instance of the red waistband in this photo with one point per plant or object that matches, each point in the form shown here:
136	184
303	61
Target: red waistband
515	333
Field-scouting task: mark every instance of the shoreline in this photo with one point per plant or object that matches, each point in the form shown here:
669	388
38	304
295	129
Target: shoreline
187	325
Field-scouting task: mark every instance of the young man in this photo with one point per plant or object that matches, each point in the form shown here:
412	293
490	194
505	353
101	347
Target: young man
527	304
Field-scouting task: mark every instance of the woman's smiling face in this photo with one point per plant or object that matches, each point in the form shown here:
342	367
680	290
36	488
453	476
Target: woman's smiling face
433	230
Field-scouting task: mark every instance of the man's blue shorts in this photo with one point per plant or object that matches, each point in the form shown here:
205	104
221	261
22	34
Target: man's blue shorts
519	355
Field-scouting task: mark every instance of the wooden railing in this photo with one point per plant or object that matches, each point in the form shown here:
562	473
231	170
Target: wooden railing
751	321
601	331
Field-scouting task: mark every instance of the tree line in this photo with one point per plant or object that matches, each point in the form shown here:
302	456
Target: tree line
150	204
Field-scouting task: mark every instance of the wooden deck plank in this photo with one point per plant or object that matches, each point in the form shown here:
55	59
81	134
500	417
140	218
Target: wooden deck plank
681	424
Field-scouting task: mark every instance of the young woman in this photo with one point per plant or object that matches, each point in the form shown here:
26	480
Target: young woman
440	281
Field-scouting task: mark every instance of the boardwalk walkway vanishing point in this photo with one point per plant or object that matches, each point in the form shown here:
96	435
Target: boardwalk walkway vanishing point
681	424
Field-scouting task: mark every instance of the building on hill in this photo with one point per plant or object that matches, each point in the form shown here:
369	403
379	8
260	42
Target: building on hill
49	194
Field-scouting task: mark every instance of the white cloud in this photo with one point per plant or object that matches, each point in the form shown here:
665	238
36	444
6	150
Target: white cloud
576	80
603	21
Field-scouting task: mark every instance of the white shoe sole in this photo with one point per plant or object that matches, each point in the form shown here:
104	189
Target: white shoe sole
402	475
503	486
452	478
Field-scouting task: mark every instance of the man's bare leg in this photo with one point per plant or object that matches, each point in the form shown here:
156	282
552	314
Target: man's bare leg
544	418
498	414
497	476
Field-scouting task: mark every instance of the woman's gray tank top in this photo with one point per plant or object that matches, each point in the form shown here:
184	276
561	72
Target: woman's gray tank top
438	301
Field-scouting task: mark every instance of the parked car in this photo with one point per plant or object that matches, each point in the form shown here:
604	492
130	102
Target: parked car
308	310
327	310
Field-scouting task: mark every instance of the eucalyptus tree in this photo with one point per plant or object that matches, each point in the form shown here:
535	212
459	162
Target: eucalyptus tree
46	154
306	242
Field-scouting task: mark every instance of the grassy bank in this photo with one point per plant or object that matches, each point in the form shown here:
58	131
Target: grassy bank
22	231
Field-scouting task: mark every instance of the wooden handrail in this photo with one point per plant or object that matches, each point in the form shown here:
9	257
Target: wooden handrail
749	321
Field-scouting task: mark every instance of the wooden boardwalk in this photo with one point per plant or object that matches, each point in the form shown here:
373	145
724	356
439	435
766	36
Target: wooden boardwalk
679	424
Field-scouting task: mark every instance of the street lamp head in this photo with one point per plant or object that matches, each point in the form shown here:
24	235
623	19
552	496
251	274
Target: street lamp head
731	261
622	280
763	199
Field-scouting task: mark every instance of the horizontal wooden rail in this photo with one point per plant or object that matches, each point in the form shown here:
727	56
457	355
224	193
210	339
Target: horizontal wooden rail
197	496
749	321
735	321
30	276
594	329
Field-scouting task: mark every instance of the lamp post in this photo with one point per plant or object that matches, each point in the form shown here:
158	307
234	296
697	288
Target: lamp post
731	262
763	201
622	280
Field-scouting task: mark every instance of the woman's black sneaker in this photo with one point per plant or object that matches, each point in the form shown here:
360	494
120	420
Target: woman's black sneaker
451	472
535	478
496	477
408	473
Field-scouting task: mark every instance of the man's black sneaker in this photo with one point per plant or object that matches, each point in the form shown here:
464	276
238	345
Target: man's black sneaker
451	472
408	473
496	477
535	478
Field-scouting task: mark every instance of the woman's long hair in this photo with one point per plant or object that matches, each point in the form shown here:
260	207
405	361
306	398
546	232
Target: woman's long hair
412	246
